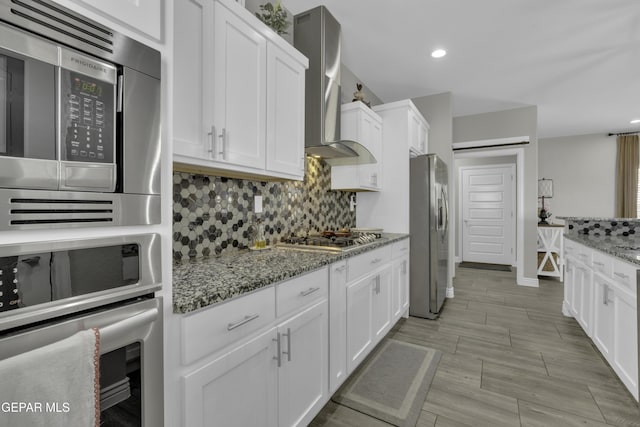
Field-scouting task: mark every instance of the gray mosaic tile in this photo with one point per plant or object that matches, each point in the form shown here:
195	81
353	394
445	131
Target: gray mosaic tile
214	214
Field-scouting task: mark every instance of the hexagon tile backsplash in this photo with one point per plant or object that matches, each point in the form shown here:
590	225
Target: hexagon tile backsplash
213	214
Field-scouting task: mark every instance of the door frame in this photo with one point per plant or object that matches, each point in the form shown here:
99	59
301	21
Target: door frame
519	153
513	206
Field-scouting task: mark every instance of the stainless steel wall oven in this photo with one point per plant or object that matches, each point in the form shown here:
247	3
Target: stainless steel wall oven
79	121
51	290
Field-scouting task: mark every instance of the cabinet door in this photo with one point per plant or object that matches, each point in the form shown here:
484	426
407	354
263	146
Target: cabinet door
239	75
285	113
400	287
237	389
423	137
370	174
381	308
192	74
625	328
414	132
359	321
569	287
303	377
603	315
584	290
337	325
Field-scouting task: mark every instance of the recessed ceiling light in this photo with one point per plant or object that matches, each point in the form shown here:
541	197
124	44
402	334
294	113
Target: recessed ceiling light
635	121
438	53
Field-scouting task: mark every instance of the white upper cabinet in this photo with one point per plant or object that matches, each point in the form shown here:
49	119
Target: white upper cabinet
285	112
238	97
143	16
418	133
239	91
361	124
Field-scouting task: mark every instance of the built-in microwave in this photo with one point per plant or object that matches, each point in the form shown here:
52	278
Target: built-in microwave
79	121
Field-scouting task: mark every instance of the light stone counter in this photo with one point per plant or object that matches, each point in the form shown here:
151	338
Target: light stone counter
206	281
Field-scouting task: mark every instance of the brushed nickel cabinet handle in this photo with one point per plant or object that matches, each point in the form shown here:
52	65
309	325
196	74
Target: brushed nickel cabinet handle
212	136
375	261
278	348
223	144
288	352
246	319
309	292
620	275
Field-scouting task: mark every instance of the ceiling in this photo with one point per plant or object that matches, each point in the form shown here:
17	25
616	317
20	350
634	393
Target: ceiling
577	60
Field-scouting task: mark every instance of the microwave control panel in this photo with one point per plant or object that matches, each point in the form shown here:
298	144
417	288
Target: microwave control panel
88	126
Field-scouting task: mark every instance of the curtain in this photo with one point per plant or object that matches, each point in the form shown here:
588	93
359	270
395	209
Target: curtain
627	176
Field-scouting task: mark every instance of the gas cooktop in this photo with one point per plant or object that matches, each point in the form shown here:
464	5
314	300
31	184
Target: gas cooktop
329	241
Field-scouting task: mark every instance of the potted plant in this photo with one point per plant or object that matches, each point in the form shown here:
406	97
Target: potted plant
274	16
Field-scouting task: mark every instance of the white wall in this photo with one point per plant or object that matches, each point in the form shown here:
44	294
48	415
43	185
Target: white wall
505	124
582	168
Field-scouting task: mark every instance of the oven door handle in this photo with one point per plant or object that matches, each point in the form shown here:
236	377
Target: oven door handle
109	335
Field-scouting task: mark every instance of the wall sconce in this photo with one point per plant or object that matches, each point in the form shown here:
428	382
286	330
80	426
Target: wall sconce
545	189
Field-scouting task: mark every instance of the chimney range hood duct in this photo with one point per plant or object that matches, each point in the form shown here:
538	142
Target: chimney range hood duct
317	35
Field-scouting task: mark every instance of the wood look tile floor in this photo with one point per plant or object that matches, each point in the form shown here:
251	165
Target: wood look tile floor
510	358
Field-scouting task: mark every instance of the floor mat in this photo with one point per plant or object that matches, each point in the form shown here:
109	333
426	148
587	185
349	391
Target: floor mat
392	383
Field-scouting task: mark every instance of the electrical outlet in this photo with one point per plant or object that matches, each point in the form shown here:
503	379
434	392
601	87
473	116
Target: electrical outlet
257	204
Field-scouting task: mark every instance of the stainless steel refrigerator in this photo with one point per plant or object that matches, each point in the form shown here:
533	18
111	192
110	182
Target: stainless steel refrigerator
429	229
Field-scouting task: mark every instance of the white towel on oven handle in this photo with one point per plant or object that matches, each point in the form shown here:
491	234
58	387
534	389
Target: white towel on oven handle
54	385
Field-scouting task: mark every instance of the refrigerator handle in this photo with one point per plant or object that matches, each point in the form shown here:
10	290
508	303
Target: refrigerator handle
446	210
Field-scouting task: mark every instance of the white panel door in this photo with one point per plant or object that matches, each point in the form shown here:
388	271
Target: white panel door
488	210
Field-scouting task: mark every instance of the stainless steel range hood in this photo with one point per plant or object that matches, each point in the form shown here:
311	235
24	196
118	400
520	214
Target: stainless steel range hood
317	35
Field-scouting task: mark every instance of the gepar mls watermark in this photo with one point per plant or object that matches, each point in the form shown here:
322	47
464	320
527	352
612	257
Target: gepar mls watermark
35	407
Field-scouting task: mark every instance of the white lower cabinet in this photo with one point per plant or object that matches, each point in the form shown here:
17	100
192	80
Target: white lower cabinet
273	376
337	325
366	304
625	341
381	310
400	291
603	315
600	291
359	321
583	292
303	377
219	393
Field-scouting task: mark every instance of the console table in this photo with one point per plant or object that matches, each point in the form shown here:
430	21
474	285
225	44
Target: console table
550	245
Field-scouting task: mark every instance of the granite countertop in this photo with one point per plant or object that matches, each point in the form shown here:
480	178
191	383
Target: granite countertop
593	218
205	281
626	248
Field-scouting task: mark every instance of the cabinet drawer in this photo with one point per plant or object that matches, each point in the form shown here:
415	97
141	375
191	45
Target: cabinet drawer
400	248
213	328
602	264
301	291
367	262
583	255
624	274
569	248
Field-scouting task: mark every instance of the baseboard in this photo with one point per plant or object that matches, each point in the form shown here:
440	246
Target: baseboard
528	281
565	310
450	293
